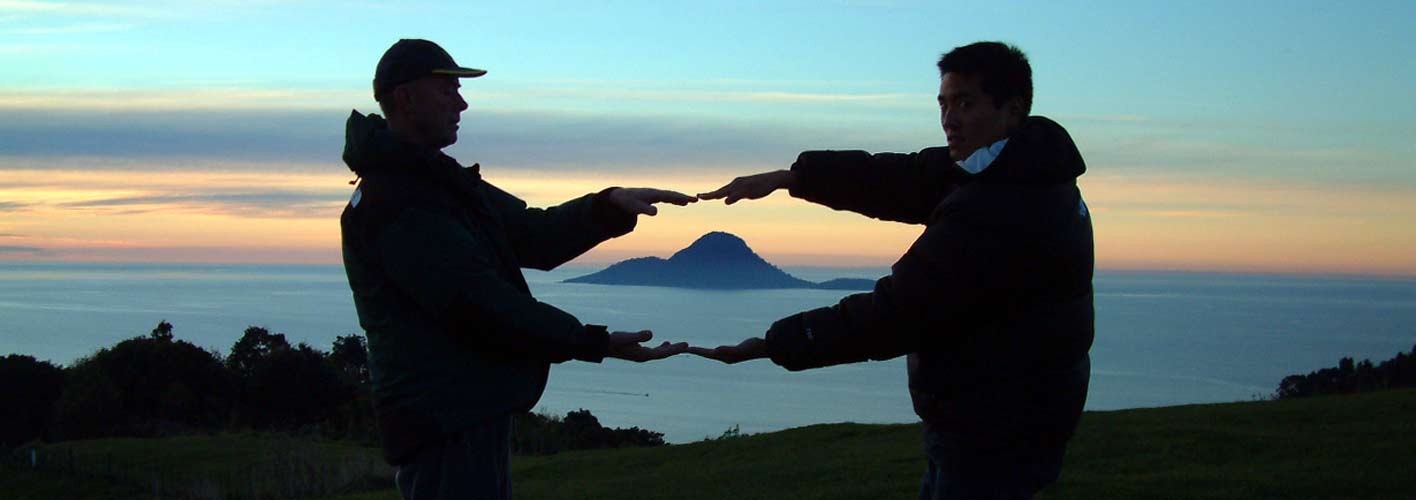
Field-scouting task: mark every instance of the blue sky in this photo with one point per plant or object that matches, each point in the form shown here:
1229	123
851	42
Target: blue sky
1286	74
1292	98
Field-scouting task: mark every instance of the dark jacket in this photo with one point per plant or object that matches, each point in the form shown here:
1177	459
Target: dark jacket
994	300
434	256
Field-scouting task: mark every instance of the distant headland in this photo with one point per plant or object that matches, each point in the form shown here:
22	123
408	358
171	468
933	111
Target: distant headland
717	261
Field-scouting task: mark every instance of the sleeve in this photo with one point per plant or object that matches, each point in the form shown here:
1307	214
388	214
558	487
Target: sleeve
544	238
450	273
889	186
939	290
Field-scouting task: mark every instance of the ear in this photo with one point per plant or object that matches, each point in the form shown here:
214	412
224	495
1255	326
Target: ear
403	96
1014	109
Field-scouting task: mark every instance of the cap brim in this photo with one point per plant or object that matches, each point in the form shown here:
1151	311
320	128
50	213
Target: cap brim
461	72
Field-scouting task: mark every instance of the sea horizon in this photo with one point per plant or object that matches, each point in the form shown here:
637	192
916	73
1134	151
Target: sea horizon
1163	337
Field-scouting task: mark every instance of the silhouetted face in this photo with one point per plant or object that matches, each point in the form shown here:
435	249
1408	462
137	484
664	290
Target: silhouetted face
970	118
433	106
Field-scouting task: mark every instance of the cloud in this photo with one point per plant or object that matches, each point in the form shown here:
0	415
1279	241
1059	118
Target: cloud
47	130
269	136
648	93
8	249
16	49
1192	214
1242	159
71	29
11	206
73	8
32	138
1109	119
252	204
213	95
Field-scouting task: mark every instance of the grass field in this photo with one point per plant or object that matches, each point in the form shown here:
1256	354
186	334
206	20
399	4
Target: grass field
1357	446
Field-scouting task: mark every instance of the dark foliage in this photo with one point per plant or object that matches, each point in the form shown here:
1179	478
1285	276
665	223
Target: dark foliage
354	420
255	345
285	388
537	434
144	386
28	389
1349	377
158	385
350	354
163	331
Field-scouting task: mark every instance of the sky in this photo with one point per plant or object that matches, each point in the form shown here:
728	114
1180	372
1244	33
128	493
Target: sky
1219	136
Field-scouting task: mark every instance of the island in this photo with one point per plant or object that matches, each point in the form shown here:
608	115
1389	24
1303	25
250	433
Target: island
716	261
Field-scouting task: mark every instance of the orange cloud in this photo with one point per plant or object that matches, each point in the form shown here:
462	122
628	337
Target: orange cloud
268	216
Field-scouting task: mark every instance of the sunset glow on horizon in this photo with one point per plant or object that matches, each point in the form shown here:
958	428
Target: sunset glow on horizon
1272	143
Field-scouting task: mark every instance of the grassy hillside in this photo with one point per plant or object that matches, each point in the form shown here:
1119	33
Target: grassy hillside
1358	446
220	466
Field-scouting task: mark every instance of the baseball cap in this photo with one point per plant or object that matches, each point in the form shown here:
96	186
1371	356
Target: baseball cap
410	59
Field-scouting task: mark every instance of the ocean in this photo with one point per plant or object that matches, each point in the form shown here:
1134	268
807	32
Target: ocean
1163	338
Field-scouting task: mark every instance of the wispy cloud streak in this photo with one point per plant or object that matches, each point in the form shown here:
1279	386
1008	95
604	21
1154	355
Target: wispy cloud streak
252	204
10	206
551	141
11	249
74	8
70	29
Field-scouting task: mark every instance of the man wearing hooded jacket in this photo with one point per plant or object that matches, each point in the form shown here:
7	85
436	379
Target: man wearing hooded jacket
992	303
434	253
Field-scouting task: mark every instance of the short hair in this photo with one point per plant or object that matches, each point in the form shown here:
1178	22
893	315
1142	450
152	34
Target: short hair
1003	70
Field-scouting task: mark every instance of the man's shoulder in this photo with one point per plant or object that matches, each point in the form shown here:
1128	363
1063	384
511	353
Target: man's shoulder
498	198
1038	152
1046	136
392	193
1043	121
935	156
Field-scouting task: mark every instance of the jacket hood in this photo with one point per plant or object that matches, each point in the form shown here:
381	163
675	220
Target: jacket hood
368	145
1040	152
371	151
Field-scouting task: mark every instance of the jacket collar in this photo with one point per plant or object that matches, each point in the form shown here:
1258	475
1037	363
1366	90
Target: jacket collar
371	150
1040	152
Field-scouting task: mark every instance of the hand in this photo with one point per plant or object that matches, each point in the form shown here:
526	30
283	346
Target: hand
752	187
628	346
641	200
753	348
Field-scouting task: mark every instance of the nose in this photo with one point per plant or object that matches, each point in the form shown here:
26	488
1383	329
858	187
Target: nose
461	103
950	120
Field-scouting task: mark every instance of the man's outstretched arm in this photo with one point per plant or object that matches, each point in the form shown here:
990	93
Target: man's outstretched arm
629	346
748	350
936	290
888	186
451	274
544	238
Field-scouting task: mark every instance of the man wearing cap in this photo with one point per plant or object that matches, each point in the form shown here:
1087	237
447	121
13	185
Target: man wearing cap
993	301
433	254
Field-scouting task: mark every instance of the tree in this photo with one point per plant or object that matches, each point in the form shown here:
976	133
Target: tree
1349	376
144	386
351	355
28	389
163	331
255	344
354	420
583	431
292	388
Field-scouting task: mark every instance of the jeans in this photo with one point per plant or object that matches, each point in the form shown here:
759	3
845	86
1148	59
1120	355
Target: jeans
474	463
958	473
